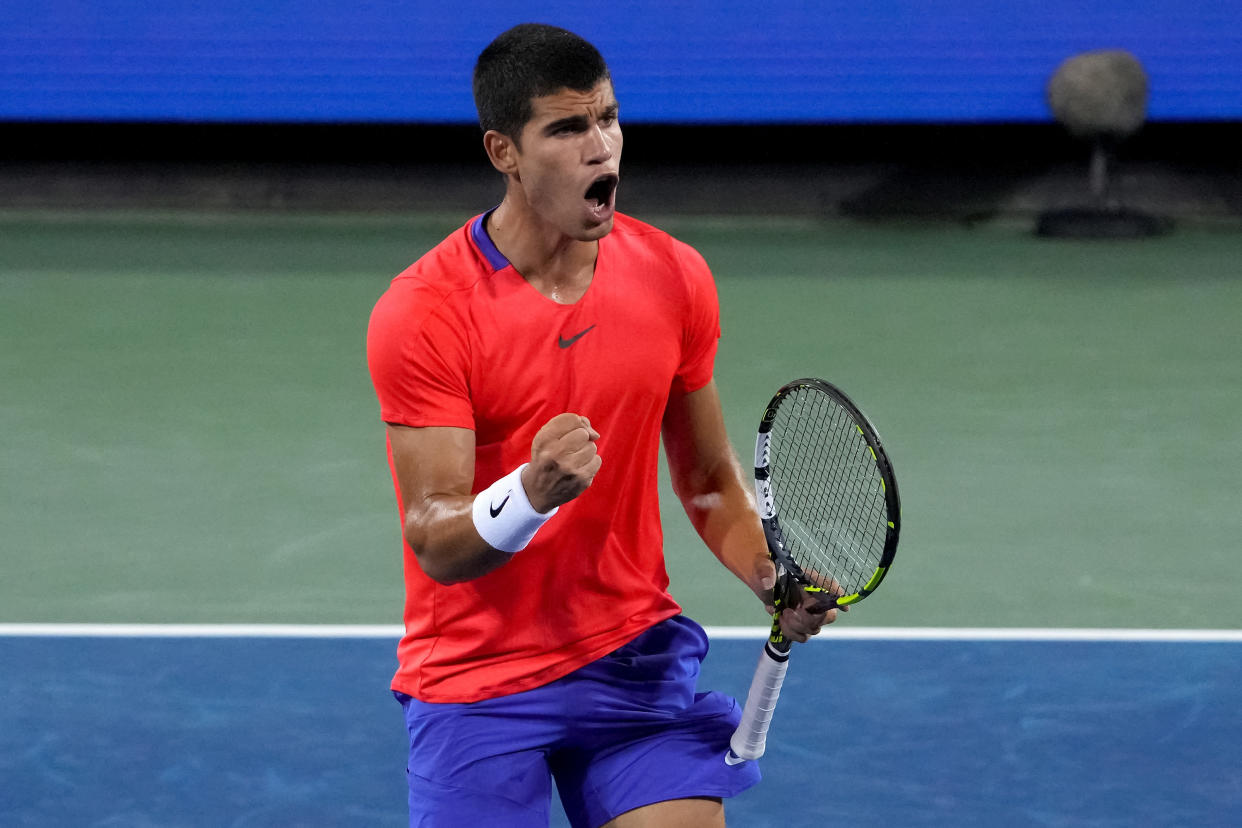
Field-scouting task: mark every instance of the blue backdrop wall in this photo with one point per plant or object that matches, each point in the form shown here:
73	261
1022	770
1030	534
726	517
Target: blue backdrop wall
724	61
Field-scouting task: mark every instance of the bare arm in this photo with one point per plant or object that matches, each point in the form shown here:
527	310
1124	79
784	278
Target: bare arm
719	500
435	473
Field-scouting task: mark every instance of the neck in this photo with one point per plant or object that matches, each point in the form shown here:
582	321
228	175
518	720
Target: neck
558	266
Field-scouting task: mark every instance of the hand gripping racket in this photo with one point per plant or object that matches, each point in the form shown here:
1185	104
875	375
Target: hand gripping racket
830	510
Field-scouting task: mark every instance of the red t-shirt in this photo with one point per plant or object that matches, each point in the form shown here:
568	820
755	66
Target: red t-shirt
461	339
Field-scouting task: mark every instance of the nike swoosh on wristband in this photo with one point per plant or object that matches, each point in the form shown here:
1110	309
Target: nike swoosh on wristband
565	343
495	510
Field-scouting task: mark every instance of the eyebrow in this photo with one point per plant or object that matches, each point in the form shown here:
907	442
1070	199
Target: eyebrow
573	121
580	121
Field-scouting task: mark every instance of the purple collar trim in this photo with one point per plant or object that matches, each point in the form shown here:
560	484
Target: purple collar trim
478	232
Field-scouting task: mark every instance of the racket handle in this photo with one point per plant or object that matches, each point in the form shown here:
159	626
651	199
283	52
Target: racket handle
751	737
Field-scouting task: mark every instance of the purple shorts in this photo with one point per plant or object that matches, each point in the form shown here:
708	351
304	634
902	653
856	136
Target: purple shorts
624	731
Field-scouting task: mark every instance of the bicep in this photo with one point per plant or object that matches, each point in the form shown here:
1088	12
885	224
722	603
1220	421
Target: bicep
434	467
431	463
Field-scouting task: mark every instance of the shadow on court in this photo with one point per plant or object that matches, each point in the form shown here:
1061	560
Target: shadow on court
302	732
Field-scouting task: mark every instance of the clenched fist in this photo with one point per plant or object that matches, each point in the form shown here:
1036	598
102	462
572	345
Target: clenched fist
563	461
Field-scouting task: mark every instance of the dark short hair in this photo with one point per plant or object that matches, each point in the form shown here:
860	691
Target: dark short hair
527	62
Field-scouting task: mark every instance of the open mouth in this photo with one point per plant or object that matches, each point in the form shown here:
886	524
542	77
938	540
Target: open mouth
602	189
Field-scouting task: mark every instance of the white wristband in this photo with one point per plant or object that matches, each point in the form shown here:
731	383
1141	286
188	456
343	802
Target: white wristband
503	514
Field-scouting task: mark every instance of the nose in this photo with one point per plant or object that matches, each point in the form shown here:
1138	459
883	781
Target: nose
601	145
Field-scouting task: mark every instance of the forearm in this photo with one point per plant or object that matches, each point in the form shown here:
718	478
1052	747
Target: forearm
441	532
720	504
714	490
461	538
458	536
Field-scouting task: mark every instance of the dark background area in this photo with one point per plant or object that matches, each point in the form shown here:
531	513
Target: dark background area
935	171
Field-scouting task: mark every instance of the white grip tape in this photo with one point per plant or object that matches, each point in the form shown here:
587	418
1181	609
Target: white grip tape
751	737
503	515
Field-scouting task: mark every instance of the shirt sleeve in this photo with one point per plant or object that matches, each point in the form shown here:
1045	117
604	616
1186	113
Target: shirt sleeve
419	359
702	325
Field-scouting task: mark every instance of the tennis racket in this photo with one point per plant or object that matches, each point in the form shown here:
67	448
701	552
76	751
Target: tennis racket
830	510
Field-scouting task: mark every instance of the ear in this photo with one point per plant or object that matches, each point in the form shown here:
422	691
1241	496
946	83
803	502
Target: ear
501	151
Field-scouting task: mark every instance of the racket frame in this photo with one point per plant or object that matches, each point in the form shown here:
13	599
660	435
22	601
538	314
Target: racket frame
749	740
790	574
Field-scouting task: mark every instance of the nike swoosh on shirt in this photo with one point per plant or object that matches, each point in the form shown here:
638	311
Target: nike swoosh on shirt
565	343
495	510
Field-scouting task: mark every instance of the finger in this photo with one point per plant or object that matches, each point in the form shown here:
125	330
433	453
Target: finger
586	424
578	425
563	424
578	437
793	630
578	452
584	464
817	614
800	626
836	591
822	599
571	441
817	604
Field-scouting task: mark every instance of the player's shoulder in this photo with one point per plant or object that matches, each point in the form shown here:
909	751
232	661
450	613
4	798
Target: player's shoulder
635	233
451	267
432	287
452	264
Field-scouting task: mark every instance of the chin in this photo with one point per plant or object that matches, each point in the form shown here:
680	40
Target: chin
597	227
598	231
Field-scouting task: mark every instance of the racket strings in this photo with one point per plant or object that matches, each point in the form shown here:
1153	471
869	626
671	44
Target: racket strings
829	492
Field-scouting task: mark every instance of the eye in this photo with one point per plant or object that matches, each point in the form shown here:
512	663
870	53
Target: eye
566	128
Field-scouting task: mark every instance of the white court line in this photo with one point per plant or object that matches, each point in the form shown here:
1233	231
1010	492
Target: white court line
203	630
720	633
992	634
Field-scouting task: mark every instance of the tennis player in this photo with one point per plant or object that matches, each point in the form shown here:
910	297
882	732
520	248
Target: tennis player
526	368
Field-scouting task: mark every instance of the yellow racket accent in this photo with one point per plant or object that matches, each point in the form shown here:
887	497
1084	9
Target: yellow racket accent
872	584
875	579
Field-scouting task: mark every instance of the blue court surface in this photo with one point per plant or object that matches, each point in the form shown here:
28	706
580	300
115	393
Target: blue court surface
294	730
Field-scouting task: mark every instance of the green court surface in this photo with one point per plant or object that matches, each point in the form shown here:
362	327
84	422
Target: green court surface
189	434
